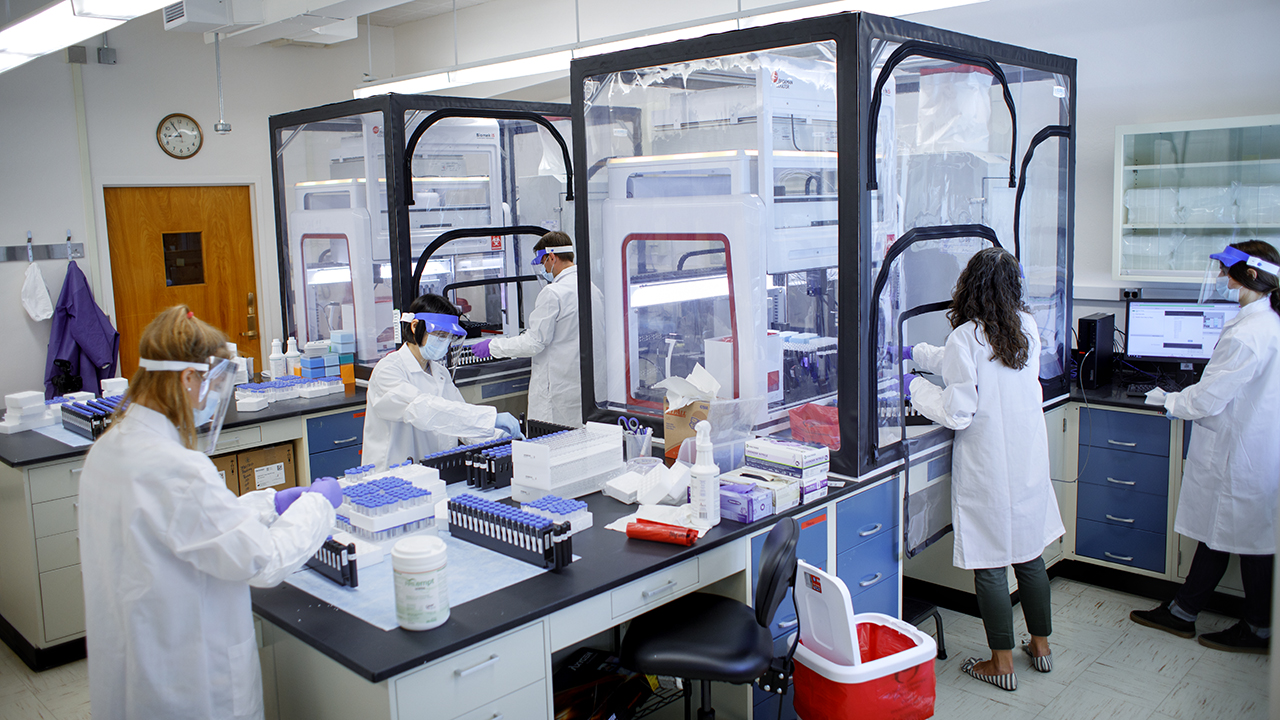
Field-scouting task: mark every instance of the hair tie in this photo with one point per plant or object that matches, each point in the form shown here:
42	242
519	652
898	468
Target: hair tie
191	315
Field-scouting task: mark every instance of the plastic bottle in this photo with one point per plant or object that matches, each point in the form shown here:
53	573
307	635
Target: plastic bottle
275	361
704	481
422	596
293	358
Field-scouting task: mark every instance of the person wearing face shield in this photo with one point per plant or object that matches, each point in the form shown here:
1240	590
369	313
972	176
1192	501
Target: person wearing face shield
168	553
1231	477
551	336
413	408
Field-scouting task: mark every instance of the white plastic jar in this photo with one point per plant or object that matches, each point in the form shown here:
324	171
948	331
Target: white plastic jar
422	595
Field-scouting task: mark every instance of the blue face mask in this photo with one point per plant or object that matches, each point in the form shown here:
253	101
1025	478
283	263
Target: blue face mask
544	275
1227	293
435	347
205	414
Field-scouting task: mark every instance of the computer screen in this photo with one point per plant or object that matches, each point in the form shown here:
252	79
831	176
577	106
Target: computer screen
1175	330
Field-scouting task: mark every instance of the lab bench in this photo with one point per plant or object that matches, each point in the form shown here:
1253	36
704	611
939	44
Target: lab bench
41	592
493	657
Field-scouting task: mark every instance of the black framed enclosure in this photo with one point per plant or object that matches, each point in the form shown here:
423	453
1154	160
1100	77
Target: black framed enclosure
786	206
382	199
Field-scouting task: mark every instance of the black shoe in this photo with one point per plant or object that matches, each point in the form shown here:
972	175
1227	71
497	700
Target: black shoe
1161	619
1237	638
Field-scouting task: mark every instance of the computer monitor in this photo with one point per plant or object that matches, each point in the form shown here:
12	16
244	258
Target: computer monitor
1174	330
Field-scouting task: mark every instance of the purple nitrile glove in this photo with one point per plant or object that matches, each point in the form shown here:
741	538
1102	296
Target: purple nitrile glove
285	498
481	350
330	489
906	384
906	351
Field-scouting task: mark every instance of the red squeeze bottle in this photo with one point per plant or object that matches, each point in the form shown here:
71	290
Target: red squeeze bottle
662	532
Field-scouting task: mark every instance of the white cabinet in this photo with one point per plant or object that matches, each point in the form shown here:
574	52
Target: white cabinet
1184	190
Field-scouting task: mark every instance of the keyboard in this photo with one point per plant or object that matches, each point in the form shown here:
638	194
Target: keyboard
1141	389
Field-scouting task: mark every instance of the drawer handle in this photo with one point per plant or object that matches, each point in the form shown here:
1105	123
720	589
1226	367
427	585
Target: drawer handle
350	439
874	529
788	624
874	579
668	587
1121	482
1122	444
1124	520
77	471
1126	558
463	673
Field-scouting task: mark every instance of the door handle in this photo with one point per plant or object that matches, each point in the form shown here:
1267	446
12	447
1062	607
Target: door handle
874	579
252	319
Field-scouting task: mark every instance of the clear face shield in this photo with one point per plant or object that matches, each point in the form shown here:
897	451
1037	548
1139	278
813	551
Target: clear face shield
1215	287
442	331
217	392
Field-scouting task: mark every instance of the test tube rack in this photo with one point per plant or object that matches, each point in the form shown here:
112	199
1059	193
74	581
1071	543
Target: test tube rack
456	464
336	562
90	418
569	463
561	510
385	508
511	531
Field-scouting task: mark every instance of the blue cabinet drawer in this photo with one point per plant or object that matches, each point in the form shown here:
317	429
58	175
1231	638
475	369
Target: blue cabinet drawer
811	547
881	597
1120	545
1122	506
335	431
868	514
878	556
1124	431
1124	470
333	463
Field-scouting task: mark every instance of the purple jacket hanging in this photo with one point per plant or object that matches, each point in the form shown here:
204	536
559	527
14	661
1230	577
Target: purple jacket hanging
83	345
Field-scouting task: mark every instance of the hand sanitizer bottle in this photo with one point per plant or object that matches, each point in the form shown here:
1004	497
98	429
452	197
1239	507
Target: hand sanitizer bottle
704	481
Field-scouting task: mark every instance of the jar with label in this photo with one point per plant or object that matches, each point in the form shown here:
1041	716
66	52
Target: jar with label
422	595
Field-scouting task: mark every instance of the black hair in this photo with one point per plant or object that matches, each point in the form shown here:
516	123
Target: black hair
553	240
989	292
1261	282
428	303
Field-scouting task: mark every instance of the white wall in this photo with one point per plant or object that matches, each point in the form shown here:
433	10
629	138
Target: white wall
157	73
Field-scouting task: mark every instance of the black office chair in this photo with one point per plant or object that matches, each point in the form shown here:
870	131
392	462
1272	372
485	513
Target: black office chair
710	638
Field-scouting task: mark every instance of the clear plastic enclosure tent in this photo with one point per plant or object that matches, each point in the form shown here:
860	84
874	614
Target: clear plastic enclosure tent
383	199
787	205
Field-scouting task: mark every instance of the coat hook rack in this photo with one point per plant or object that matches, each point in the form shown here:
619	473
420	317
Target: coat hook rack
32	252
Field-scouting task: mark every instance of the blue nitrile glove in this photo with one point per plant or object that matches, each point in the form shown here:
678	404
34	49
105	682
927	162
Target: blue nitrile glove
906	384
330	489
906	351
507	423
481	350
903	351
285	498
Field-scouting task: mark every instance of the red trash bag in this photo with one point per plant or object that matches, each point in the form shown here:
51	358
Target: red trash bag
894	681
816	424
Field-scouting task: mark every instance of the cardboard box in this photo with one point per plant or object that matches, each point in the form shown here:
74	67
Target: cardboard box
784	491
227	469
678	424
745	502
269	467
788	453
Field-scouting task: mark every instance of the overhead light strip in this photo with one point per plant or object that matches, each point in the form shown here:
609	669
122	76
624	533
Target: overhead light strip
67	23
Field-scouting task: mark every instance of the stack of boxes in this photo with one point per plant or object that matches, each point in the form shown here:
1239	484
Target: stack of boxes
25	411
801	461
332	358
342	345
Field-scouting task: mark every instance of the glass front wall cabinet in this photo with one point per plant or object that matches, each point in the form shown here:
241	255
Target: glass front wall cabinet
383	199
784	205
1185	190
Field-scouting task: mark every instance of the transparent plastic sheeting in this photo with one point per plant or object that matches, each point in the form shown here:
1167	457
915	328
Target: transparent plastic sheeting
468	173
712	189
942	148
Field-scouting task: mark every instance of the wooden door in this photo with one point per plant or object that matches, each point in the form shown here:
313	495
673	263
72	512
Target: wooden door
182	245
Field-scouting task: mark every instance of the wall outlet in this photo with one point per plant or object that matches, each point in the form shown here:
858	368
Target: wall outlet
1131	293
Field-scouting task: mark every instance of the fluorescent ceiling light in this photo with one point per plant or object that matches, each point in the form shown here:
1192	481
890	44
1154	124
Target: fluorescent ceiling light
326	276
655	39
679	291
512	68
47	31
892	8
115	9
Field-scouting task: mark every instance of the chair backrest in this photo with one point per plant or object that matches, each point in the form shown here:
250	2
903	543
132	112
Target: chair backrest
777	570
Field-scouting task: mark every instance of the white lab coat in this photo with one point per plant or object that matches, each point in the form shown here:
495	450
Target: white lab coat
1232	472
168	554
551	339
1003	507
410	413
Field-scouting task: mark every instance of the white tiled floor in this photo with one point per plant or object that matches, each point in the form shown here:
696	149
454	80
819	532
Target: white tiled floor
1104	667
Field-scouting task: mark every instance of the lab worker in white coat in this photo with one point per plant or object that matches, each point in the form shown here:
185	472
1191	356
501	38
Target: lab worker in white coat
168	553
1231	477
551	337
1003	507
413	408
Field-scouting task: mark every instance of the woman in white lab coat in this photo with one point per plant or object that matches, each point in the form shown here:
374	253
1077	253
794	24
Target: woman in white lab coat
413	408
1232	472
1003	508
168	552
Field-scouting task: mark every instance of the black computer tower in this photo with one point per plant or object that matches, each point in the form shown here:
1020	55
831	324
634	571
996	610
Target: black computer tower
1096	341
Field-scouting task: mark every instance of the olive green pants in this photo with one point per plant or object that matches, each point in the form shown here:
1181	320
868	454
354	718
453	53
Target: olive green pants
992	589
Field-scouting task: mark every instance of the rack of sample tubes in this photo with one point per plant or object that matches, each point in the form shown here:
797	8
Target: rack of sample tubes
336	562
561	510
456	464
511	531
569	463
490	467
90	418
386	506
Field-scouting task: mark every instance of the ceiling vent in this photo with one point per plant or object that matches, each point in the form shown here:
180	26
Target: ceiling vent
212	15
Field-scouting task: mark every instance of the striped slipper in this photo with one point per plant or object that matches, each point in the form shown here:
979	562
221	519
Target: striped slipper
1041	664
1004	682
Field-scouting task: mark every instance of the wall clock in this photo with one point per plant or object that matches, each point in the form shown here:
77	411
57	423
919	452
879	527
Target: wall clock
179	136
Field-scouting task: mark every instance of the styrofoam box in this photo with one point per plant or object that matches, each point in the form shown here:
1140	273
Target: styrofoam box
26	398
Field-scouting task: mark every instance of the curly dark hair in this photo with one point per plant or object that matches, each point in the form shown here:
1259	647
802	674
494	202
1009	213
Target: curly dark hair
989	292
